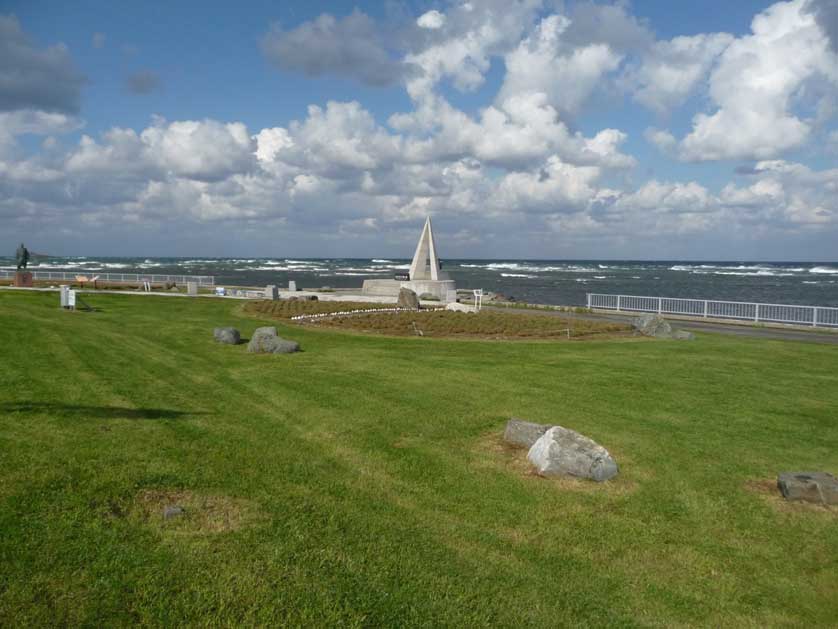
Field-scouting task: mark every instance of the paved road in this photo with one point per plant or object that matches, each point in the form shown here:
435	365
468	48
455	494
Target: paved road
777	334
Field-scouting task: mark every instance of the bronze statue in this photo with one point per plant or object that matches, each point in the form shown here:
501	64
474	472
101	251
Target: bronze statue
22	257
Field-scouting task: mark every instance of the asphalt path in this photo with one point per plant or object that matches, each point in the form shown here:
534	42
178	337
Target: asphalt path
776	334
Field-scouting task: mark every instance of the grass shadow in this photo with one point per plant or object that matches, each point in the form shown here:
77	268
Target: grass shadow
98	412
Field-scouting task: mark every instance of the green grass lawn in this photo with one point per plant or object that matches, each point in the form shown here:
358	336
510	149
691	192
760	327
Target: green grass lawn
361	482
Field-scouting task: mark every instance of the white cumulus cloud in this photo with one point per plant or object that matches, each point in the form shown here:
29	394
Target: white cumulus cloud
432	20
754	86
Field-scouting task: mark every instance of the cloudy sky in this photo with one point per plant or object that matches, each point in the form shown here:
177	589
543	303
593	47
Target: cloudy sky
525	128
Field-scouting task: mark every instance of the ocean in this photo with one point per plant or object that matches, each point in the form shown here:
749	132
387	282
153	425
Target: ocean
562	282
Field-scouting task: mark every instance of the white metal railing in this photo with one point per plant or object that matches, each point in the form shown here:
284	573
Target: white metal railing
137	278
815	316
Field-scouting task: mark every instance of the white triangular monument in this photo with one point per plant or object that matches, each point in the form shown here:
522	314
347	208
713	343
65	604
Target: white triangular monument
425	265
425	278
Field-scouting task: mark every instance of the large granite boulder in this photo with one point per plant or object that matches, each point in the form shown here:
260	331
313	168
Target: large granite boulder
229	336
817	487
653	325
408	299
523	433
265	341
562	452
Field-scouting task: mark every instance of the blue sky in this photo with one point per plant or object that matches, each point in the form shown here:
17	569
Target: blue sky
528	129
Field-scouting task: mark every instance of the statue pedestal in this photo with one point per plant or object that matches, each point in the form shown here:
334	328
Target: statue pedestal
23	279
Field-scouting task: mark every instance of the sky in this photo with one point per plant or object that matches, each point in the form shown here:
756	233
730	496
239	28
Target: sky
525	128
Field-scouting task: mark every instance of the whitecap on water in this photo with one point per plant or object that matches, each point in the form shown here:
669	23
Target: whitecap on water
739	269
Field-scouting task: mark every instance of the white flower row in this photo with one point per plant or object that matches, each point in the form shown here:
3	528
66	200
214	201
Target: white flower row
347	312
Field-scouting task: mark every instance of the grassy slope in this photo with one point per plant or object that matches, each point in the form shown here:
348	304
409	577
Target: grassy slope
383	497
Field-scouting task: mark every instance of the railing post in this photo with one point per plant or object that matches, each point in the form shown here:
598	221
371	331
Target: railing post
660	305
618	302
756	313
815	317
588	300
705	308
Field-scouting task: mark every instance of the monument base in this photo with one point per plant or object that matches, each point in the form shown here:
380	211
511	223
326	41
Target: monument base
23	279
444	290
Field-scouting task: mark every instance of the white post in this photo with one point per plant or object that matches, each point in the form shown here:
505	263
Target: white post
756	314
588	299
478	299
618	302
705	308
660	305
815	317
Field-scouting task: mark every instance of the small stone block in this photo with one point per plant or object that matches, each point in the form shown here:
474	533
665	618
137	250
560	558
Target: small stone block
817	487
173	512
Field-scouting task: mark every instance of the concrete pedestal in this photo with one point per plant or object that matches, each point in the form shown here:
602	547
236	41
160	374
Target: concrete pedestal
444	290
23	279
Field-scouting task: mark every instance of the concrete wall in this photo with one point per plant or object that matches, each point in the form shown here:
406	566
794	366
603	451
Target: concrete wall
382	288
390	288
439	288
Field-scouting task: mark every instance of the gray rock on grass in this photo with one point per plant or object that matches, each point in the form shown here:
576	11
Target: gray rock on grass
408	299
265	341
817	487
564	452
653	325
656	326
229	336
523	433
